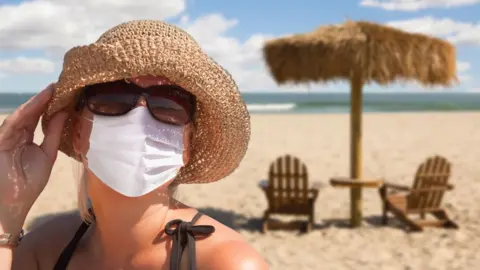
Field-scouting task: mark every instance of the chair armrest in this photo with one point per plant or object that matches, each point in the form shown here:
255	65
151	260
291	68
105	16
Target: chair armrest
314	189
357	183
314	186
396	186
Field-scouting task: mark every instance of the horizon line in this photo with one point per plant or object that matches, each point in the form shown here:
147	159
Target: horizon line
316	92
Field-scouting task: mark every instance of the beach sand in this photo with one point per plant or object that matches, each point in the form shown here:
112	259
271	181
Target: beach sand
394	145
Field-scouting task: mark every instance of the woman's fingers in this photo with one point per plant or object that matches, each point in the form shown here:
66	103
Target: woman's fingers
35	107
53	135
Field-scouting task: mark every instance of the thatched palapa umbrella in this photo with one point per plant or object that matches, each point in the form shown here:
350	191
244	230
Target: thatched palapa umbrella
361	52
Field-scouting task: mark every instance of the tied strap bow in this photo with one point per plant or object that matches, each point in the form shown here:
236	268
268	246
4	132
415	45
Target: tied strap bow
183	235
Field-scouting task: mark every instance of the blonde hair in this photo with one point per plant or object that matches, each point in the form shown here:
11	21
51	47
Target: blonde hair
83	199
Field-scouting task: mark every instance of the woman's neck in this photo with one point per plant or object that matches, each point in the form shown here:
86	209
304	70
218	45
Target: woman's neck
124	226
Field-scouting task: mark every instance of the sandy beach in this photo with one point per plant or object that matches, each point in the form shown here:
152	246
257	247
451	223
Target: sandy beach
394	145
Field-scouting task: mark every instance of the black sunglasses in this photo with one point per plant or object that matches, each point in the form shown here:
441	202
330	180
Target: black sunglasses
167	103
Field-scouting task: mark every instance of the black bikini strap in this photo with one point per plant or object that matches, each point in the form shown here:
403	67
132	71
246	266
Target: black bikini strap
183	235
67	253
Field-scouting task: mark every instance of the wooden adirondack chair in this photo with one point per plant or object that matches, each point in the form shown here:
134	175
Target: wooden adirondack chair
287	190
424	197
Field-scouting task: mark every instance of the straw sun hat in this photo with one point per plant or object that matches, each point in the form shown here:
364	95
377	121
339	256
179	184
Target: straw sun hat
146	47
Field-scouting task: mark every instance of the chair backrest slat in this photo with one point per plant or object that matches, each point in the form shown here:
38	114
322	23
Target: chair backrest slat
434	172
288	181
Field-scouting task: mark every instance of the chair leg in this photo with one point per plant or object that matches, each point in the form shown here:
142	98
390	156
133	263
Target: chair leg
385	213
309	227
442	215
266	216
413	227
383	196
311	218
402	216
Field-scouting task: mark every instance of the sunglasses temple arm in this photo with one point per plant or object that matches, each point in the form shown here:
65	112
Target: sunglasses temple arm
81	101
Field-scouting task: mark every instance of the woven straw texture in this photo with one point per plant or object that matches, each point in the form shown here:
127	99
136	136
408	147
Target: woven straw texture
379	53
147	47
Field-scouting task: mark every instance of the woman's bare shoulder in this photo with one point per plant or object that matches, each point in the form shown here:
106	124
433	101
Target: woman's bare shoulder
228	249
234	255
47	236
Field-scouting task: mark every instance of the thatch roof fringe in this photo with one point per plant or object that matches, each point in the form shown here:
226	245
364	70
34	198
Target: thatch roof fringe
381	53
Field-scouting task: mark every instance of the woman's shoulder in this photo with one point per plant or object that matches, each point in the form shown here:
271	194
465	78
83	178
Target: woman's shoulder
227	249
48	235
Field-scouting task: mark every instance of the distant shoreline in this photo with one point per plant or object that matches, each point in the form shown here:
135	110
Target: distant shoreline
328	102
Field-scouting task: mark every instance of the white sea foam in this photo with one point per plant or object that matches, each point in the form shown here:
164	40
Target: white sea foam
271	107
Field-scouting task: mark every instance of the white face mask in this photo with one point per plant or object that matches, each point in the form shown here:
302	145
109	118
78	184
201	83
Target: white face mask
134	153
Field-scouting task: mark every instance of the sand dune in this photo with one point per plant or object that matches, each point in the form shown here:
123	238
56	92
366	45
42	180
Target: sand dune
394	145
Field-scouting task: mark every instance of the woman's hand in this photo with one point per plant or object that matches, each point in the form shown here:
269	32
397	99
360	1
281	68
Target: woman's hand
24	166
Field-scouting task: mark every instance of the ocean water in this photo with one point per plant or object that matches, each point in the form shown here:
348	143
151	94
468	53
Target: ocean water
372	102
329	102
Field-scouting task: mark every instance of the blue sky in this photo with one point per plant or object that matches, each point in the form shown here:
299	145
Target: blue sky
31	60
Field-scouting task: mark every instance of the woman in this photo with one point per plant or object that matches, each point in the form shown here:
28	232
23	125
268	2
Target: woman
144	110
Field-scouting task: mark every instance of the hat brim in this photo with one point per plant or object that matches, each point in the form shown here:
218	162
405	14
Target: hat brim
222	120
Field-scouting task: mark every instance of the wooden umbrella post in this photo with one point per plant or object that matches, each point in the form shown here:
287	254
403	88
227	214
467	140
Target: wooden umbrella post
356	84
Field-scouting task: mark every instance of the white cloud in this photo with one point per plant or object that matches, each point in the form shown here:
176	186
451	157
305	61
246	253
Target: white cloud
56	25
462	70
456	32
463	78
463	66
243	59
23	65
414	5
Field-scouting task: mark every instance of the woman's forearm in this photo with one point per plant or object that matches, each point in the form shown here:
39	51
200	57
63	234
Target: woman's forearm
6	255
19	257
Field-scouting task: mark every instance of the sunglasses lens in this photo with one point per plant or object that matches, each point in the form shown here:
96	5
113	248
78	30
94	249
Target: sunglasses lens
167	110
110	103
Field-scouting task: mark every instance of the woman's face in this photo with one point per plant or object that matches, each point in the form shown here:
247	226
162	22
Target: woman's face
83	127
